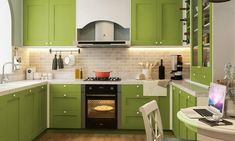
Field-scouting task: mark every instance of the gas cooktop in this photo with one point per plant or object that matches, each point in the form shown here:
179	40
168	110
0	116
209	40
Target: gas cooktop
103	79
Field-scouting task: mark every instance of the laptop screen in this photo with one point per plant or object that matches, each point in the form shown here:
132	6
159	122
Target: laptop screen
217	96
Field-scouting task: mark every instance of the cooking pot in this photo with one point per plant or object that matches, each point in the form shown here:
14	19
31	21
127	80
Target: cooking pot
99	74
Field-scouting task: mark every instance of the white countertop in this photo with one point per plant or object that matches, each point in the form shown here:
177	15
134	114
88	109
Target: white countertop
191	88
16	86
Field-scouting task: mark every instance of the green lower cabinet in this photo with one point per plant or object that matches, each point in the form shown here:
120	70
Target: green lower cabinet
2	120
183	104
27	113
65	119
181	100
40	108
131	99
176	108
12	117
65	106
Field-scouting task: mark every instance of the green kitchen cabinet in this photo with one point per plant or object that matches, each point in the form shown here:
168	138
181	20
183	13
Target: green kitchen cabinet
40	108
12	116
62	22
201	41
131	99
176	108
65	106
156	22
181	100
27	112
2	119
36	19
143	25
49	22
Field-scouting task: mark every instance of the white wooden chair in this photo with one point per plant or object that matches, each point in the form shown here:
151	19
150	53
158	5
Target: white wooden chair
152	121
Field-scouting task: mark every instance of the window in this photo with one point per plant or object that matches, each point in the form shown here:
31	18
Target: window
5	35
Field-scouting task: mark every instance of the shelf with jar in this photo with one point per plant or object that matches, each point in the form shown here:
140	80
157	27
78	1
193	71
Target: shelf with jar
186	22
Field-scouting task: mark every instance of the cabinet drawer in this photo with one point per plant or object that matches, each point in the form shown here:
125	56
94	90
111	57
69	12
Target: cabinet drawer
132	90
65	101
133	104
54	88
65	119
132	122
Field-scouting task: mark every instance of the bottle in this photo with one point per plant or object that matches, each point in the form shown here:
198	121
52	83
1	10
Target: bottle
77	73
161	70
81	75
54	63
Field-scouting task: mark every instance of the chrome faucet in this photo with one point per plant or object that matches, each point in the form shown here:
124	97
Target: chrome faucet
4	76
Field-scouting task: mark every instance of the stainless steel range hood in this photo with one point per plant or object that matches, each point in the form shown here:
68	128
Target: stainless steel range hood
106	25
103	34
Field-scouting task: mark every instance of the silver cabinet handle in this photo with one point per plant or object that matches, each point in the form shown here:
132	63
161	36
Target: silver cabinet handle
160	43
194	74
180	92
42	87
156	43
30	91
65	95
64	86
14	95
65	112
137	86
46	43
137	113
188	97
137	95
50	43
204	76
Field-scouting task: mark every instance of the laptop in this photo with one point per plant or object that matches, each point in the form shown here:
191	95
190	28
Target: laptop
216	101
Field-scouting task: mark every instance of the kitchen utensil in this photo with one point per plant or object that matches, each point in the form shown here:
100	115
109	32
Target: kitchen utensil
60	62
102	74
54	63
69	60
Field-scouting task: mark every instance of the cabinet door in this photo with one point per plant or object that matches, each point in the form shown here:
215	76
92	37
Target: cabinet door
2	119
170	27
36	27
40	117
192	101
62	22
143	22
12	113
27	115
183	104
176	107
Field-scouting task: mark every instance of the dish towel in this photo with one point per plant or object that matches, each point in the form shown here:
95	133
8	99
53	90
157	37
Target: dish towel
151	88
164	83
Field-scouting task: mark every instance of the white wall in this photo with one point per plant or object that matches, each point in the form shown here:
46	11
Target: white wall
223	37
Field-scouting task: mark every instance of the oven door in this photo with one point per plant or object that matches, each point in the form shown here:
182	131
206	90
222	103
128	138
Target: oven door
101	111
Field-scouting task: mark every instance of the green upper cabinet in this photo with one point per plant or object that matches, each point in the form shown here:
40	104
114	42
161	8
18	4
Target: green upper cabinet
170	27
49	22
62	22
156	22
143	22
36	19
201	41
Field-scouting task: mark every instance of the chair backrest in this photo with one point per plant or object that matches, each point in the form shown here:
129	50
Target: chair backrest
152	121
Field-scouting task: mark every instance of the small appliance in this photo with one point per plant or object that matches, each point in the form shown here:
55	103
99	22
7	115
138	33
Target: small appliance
29	73
177	67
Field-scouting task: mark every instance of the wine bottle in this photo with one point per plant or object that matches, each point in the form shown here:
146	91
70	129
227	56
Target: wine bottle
161	70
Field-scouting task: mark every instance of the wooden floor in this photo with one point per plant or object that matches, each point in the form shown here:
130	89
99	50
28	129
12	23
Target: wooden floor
94	136
91	137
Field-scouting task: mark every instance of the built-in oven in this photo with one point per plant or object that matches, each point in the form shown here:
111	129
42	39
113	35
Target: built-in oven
100	106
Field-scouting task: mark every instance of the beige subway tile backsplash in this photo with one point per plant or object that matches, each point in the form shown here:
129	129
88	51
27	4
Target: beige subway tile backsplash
123	62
